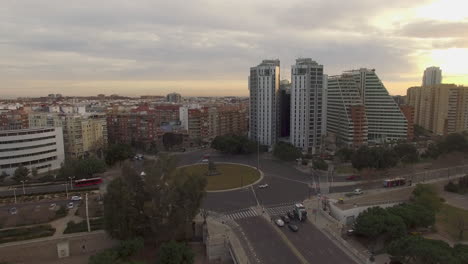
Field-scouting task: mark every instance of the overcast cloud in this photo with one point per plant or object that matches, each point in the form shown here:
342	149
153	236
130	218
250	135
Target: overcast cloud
205	46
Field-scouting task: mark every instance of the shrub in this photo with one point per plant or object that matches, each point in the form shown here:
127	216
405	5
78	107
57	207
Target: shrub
451	187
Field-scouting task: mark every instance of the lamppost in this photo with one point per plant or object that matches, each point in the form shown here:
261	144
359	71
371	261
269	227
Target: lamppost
14	192
66	189
71	181
24	191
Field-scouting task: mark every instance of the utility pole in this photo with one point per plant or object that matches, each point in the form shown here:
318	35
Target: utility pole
258	153
87	213
71	182
66	189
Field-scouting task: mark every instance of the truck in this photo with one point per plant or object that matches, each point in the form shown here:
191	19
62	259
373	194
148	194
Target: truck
300	212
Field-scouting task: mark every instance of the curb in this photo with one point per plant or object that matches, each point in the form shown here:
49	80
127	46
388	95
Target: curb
237	188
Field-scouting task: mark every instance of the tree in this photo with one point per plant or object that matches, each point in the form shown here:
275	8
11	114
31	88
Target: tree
3	176
407	153
371	222
21	174
86	168
320	164
157	206
433	151
344	154
426	195
172	139
118	153
34	172
175	253
453	142
118	254
416	249
377	157
286	151
234	144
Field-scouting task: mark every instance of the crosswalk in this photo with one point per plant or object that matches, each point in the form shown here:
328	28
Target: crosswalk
280	209
241	214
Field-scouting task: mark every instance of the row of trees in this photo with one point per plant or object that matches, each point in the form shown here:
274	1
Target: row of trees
234	144
379	157
393	223
451	143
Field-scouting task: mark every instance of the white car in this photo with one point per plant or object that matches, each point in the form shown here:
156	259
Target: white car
70	205
13	210
204	160
262	186
357	192
279	222
76	198
52	206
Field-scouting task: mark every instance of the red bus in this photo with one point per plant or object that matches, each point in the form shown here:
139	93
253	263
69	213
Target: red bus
394	182
88	182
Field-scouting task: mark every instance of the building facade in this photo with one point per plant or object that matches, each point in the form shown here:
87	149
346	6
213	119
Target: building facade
360	110
14	119
432	76
174	98
82	134
40	148
442	109
263	88
306	105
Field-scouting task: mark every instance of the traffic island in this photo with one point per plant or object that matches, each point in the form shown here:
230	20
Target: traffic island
229	176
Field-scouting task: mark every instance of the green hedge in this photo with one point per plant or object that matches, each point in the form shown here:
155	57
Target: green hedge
72	227
25	233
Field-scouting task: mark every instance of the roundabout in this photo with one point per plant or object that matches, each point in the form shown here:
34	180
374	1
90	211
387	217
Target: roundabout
228	176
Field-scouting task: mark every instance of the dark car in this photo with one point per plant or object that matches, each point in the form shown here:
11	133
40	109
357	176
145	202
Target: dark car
352	177
291	215
293	228
285	219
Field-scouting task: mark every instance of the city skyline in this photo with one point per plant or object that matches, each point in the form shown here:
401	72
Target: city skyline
203	50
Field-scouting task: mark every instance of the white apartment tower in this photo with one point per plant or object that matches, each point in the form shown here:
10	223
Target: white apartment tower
432	76
307	89
263	87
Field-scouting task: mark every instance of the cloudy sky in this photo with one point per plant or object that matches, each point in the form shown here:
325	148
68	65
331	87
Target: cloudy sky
205	47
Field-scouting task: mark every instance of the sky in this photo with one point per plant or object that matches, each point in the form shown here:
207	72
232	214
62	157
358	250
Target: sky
206	47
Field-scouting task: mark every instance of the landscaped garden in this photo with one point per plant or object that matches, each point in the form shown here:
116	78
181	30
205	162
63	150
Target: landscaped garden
229	175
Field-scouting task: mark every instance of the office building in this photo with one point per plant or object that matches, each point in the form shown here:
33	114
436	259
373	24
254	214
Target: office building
306	105
40	148
432	76
14	119
263	88
442	109
360	110
174	98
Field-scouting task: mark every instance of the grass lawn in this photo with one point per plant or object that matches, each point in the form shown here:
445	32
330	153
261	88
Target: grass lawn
345	170
232	176
25	233
450	218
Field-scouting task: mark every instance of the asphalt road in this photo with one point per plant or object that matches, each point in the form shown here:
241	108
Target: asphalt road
268	245
314	245
42	189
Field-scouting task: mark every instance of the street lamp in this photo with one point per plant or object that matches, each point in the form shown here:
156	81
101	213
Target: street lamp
14	192
71	181
24	191
66	189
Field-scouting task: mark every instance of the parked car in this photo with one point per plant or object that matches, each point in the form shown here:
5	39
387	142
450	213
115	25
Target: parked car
52	206
279	222
262	186
70	205
291	215
293	228
76	198
13	210
350	232
285	219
